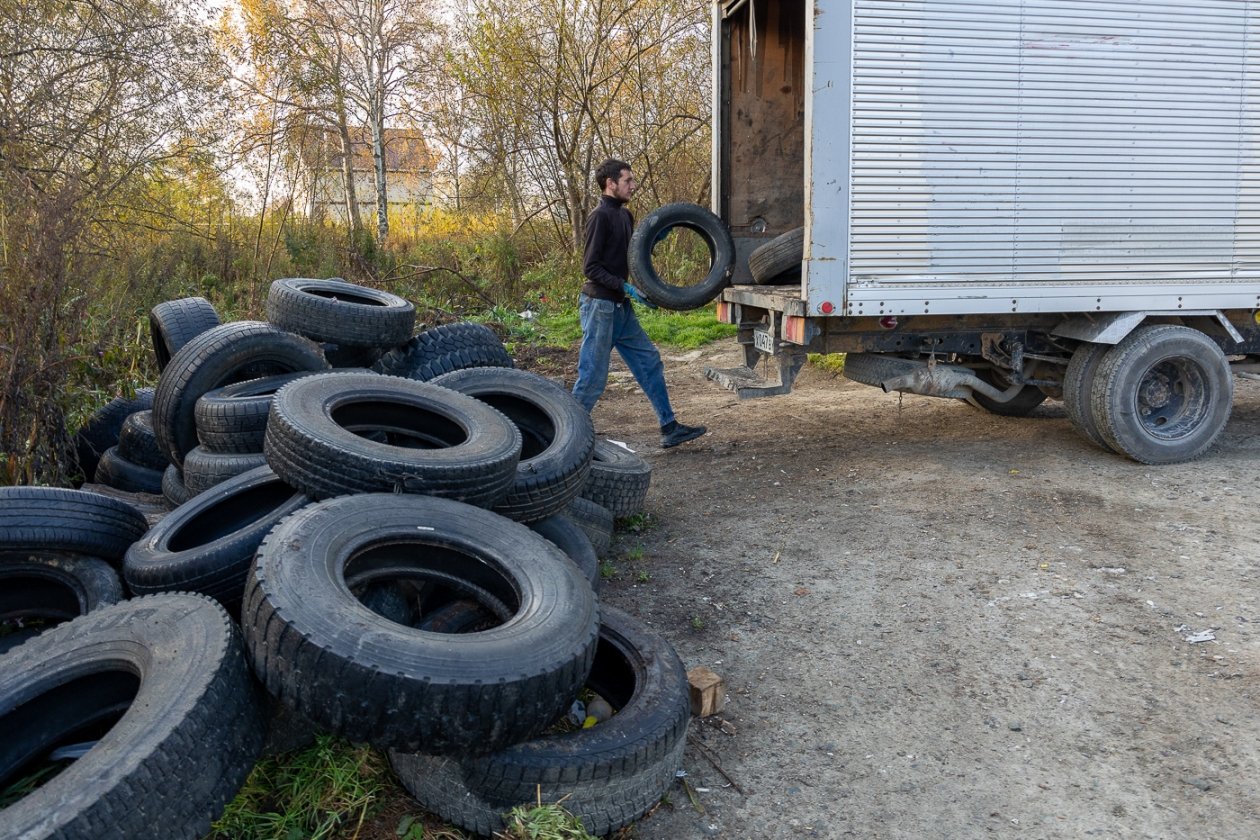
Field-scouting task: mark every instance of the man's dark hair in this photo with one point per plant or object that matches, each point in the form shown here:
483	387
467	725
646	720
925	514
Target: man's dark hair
610	168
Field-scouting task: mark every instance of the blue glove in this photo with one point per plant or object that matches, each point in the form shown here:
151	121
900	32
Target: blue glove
637	296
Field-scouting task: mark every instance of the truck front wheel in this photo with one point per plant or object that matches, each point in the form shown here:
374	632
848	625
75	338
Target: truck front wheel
1163	394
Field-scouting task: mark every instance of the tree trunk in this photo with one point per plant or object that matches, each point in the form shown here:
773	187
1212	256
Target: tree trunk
378	158
347	173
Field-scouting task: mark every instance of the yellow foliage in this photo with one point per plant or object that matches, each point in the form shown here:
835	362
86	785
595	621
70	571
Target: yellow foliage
416	223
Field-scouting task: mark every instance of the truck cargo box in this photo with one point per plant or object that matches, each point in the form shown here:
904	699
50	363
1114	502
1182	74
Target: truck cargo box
1003	156
999	201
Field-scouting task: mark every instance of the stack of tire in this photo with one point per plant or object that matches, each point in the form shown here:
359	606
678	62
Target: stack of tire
106	703
409	566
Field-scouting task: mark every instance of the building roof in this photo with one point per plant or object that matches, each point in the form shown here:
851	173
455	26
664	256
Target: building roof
405	150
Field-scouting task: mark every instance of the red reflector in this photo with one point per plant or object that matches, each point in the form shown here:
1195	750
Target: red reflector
827	307
888	322
725	312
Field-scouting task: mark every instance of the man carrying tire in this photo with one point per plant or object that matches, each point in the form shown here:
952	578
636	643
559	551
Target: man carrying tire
606	312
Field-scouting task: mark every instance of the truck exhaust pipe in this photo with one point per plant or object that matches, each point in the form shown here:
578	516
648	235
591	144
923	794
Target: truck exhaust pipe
948	381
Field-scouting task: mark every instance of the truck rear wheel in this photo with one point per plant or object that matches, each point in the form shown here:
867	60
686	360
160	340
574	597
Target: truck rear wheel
1078	387
1163	394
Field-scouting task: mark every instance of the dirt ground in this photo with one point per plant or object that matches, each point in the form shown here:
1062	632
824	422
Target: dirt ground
938	623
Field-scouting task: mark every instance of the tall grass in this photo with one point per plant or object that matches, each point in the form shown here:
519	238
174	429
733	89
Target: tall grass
70	347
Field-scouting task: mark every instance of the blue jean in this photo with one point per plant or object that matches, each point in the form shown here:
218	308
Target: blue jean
606	325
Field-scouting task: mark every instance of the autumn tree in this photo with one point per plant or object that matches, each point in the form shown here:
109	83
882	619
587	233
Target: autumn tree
292	61
92	96
556	85
331	64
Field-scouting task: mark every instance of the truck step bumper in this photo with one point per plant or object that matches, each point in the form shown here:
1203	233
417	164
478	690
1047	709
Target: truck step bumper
747	383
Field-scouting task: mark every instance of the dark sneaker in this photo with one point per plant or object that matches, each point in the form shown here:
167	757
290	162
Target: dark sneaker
680	434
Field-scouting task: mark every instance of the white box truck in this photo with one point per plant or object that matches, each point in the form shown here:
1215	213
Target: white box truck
998	200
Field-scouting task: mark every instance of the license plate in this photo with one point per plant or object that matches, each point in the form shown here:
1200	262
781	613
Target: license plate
763	341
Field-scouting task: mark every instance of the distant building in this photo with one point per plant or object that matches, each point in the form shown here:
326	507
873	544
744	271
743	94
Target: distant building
409	168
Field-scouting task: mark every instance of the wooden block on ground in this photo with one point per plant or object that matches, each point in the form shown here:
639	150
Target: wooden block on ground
708	691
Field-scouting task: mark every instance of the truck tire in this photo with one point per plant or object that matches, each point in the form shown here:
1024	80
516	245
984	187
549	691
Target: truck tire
104	427
443	349
207	545
1163	394
174	323
234	418
220	356
79	521
595	519
342	313
558	438
608	775
161	686
325	654
779	260
439	442
204	469
1078	389
116	471
50	587
618	479
711	229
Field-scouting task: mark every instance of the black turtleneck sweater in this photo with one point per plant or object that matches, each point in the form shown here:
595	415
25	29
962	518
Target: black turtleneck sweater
605	261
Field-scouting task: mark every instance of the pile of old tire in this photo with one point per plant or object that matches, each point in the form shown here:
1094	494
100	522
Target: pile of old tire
410	608
117	447
444	349
608	775
59	555
134	464
214	395
103	430
411	563
137	718
107	704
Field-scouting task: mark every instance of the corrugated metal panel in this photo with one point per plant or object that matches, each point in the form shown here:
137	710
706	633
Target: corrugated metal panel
1019	143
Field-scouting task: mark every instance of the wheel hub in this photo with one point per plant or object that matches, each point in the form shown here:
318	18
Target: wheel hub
1166	398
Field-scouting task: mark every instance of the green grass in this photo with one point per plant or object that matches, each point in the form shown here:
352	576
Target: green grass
684	330
335	790
325	791
543	822
681	330
637	522
833	362
25	785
